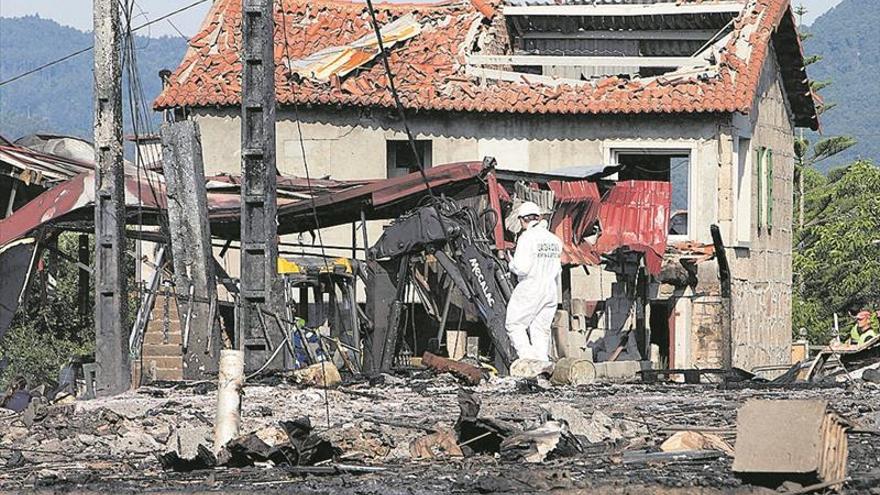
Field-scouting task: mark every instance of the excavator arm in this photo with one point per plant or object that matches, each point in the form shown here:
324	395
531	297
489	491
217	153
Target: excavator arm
453	235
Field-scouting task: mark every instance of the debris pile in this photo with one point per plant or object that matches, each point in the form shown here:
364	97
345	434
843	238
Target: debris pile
418	432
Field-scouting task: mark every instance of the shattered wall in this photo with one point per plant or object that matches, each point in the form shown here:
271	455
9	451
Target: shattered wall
761	270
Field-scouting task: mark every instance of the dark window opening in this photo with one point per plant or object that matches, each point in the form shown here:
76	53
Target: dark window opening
400	159
673	167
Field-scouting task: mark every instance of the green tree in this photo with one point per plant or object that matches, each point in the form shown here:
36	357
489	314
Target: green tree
808	155
837	257
48	331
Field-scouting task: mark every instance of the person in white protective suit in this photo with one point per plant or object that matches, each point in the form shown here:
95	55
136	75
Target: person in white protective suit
536	263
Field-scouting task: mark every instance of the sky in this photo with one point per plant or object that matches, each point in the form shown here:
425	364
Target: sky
78	13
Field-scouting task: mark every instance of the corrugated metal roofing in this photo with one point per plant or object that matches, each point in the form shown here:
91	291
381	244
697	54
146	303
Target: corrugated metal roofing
33	167
340	60
635	214
572	24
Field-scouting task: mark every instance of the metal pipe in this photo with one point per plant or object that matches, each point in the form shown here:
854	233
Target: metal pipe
189	310
364	232
143	315
230	380
445	314
11	201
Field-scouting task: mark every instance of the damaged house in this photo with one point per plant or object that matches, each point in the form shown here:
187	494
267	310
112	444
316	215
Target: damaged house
702	95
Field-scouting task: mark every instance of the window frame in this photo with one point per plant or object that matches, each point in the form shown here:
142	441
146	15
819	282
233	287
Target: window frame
614	149
427	159
743	181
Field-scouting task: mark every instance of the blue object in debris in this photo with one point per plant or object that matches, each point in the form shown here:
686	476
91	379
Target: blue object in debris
302	355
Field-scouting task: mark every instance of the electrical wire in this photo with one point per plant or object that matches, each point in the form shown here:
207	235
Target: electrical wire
85	49
302	147
396	97
139	113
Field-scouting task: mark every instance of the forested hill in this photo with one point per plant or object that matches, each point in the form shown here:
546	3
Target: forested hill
848	39
58	100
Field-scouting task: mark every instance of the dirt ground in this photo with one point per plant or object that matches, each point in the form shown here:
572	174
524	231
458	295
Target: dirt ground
111	445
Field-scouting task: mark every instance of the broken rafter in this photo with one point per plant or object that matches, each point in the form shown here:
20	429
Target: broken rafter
512	76
723	7
684	34
585	61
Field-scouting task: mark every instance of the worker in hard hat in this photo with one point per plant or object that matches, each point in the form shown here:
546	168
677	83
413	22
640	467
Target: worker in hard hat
863	330
536	263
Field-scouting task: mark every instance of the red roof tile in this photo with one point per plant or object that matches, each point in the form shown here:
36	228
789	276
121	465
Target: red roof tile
430	76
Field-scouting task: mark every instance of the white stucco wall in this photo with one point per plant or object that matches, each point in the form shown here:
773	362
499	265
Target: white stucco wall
352	144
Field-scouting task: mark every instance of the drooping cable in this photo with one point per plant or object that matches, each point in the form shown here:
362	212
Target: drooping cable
139	112
88	48
400	110
314	208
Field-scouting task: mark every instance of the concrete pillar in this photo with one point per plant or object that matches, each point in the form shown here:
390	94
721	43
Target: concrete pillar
191	245
260	284
111	331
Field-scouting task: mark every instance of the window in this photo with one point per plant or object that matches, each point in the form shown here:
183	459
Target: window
764	159
662	165
400	159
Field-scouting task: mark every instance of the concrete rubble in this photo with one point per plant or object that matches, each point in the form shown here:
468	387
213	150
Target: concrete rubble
416	432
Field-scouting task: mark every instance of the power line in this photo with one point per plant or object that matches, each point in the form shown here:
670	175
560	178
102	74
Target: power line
302	148
88	48
397	103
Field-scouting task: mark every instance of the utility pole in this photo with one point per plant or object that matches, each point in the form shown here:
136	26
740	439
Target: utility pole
111	332
799	11
258	334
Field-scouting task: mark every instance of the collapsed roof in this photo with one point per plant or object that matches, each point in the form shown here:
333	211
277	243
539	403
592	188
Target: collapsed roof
632	215
32	166
525	56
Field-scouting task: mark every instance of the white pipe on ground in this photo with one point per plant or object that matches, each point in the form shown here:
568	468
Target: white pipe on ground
229	384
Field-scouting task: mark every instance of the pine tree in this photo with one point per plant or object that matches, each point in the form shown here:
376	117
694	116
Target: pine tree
807	154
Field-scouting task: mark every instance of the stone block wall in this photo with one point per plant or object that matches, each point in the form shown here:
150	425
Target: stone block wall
761	270
707	344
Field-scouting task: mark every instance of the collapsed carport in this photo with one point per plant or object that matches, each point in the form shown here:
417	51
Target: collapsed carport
599	220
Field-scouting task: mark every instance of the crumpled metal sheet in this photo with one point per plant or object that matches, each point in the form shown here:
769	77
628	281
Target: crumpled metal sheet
340	60
33	167
381	199
577	209
145	191
17	260
635	215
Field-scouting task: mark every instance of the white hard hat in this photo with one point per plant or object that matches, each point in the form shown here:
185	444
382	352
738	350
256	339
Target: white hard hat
528	208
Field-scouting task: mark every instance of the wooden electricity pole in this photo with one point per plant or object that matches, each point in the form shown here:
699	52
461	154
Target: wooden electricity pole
258	334
111	332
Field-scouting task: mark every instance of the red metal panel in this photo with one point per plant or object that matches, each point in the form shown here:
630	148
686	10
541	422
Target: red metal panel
635	215
48	206
577	208
495	203
390	190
